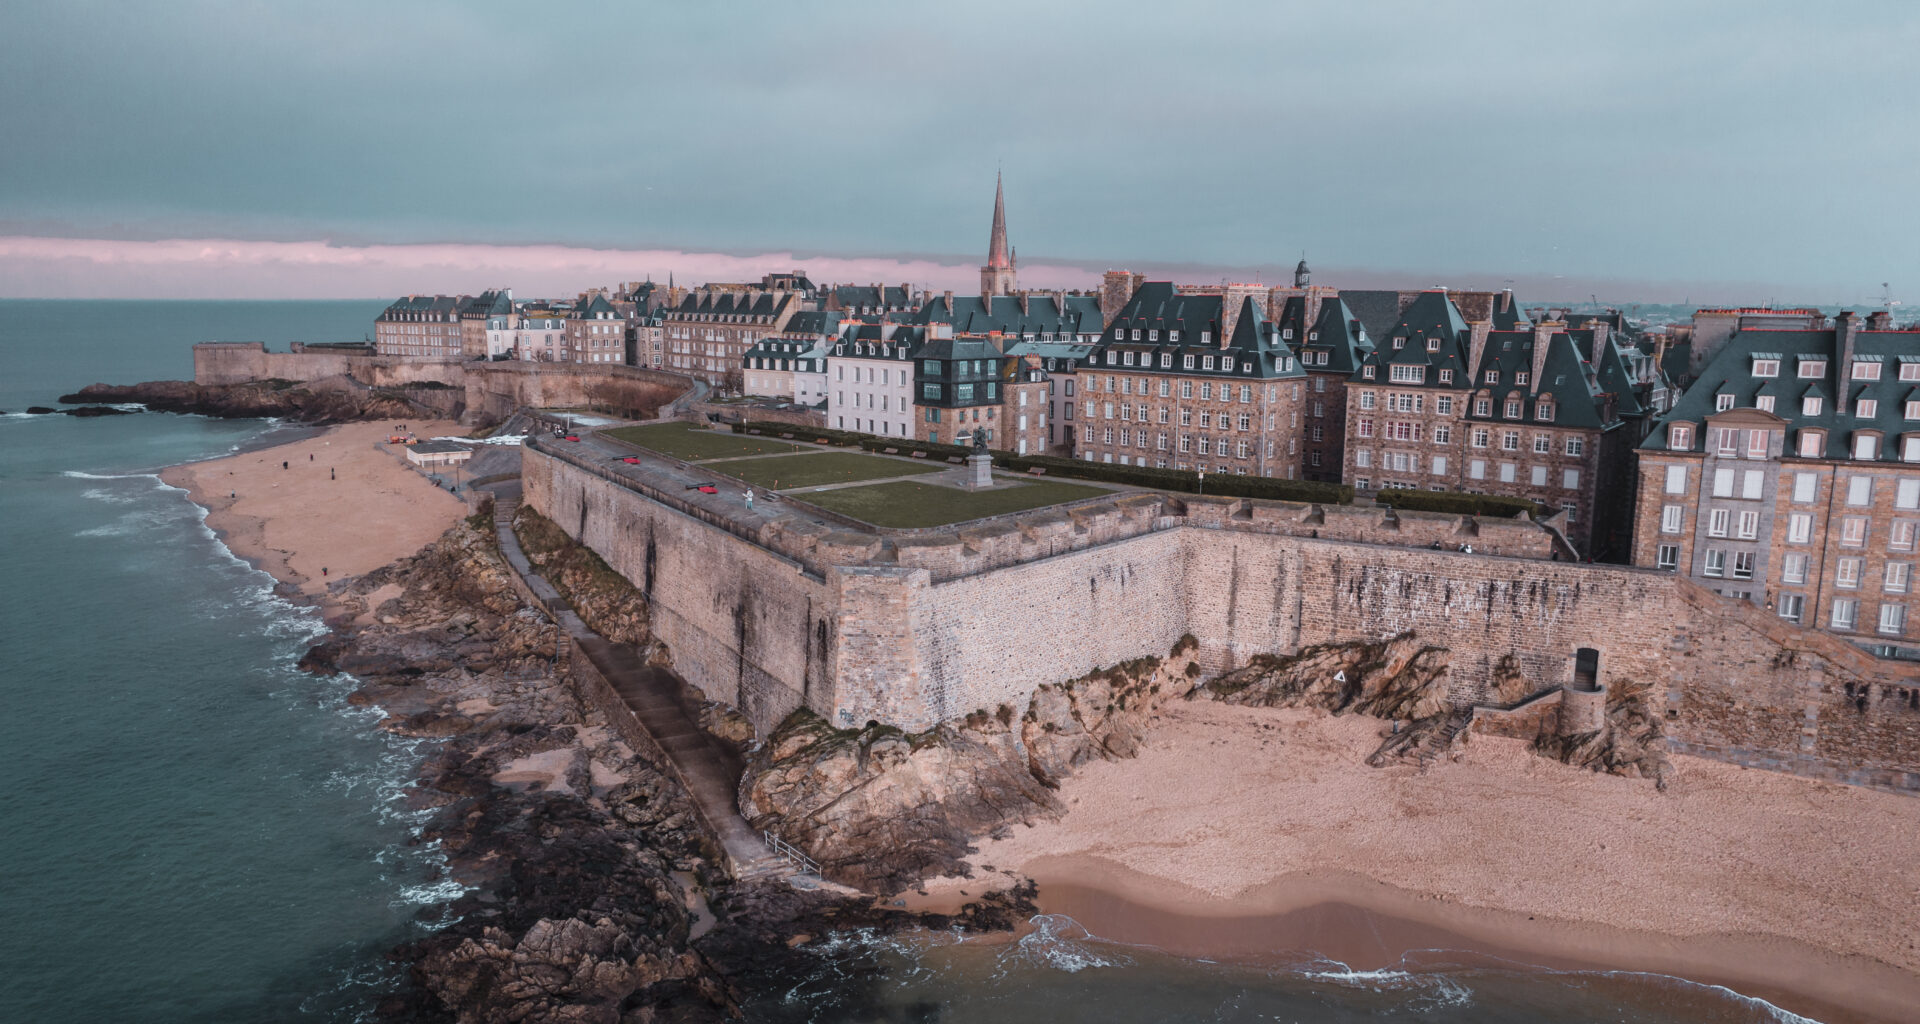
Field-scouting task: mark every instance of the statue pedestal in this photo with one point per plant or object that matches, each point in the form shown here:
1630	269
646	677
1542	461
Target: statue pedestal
982	467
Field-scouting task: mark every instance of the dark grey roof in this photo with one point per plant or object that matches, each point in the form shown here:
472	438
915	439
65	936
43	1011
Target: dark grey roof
1178	326
1377	311
1335	331
1731	372
971	314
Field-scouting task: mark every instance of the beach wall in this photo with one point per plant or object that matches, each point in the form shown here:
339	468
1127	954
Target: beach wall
913	628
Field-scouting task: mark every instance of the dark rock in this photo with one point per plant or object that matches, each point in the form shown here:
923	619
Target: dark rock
41	410
335	400
90	411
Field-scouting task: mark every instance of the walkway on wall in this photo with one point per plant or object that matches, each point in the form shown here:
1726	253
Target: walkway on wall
708	770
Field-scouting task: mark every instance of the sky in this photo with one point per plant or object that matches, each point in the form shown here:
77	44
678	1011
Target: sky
1644	151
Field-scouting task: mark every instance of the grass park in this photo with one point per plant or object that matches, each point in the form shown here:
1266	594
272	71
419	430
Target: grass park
907	504
785	472
688	443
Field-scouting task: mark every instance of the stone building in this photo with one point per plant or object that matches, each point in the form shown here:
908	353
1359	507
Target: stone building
541	334
1788	475
870	302
1330	343
421	327
596	332
793	364
1497	406
1165	388
475	314
963	384
1060	361
870	379
708	333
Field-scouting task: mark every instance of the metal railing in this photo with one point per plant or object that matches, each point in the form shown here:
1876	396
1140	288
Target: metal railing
788	852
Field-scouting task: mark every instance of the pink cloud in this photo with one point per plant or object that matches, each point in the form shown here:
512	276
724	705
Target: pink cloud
40	267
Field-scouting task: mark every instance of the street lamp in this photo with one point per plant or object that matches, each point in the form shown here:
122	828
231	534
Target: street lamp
1203	482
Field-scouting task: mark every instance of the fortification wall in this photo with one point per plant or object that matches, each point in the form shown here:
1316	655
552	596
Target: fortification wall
743	624
912	630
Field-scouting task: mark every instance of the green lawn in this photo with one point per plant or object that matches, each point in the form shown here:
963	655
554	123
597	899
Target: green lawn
682	441
908	503
789	471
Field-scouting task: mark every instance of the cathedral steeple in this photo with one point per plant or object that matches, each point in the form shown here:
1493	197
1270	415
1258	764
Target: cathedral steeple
997	277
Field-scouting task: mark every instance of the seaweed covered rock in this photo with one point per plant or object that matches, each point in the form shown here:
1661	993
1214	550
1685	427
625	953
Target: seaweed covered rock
1630	743
606	601
1402	678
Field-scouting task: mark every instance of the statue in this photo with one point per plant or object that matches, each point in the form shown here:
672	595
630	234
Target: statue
980	440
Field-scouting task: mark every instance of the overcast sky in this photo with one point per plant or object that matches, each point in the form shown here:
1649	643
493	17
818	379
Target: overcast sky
1651	149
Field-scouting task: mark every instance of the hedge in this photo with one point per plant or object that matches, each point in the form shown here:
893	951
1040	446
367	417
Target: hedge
1491	505
1224	485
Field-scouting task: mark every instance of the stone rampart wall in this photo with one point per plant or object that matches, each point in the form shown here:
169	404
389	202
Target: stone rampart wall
910	629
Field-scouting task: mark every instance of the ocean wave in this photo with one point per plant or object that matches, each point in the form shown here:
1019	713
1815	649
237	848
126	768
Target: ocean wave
1060	943
1431	991
1769	1010
78	475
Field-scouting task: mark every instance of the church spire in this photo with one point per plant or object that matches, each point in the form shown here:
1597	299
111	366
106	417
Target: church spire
997	277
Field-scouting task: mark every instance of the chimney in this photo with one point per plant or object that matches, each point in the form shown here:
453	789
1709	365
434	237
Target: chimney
1543	333
1880	320
1023	302
948	299
1314	296
1602	331
1846	328
1476	347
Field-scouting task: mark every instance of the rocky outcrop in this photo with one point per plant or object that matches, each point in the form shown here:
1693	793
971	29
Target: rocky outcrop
1401	678
333	400
882	809
1631	743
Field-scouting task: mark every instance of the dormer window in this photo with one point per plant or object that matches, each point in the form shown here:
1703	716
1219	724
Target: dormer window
1812	368
1173	337
1313	335
1400	374
1126	359
1522	377
1166	360
1186	362
1119	335
1366	373
1446	376
1433	344
1399	343
1493	377
1206	337
1153	335
1866	370
1680	437
1483	407
1543	412
1206	363
1910	371
1722	402
1513	408
1866	445
1764	403
1865	408
1810	405
1813	444
1766	367
1286	333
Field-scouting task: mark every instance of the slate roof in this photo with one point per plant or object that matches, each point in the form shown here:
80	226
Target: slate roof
413	307
971	314
857	296
1377	311
1335	331
1731	371
731	303
813	321
1171	324
596	308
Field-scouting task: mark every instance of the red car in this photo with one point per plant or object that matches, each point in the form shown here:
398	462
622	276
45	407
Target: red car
631	460
571	437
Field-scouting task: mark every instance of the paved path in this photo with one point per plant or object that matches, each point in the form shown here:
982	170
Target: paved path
709	771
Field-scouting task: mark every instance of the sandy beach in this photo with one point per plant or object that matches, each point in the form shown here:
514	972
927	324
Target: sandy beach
1242	831
341	504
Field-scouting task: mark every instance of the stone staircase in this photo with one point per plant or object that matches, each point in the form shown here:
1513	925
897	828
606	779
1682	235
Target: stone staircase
708	771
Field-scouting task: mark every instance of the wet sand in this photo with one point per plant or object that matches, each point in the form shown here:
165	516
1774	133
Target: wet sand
341	504
1248	833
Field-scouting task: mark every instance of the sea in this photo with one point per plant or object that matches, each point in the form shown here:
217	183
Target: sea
193	830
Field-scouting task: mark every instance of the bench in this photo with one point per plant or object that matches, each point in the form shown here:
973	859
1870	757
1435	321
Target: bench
918	455
787	436
956	460
889	451
1038	471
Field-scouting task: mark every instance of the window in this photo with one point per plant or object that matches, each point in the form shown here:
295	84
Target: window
1539	476
1366	400
1757	444
1813	444
1743	565
1810	405
1543	444
1910	448
1680	437
1853	531
1363	459
1670	518
1764	403
1676	480
1848	573
1186	362
1477	469
1799	528
1906	494
1717	521
1363	428
1522	377
1866	409
1482	407
1900	535
1860	490
1898	574
1766	367
1513	408
1749	525
1442	435
1793	568
1439	465
1811	368
1893	618
1722	402
1510	440
1186	389
1480	436
1570	479
1753	484
1845	612
1508	472
1864	370
1667	557
1402	374
1716	563
1792	606
1866	446
1366	373
1493	377
1723	483
1910	371
1444	405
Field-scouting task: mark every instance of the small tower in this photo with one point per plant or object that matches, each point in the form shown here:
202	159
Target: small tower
1301	275
997	277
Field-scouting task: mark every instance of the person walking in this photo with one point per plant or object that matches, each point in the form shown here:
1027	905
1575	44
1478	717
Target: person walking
749	498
